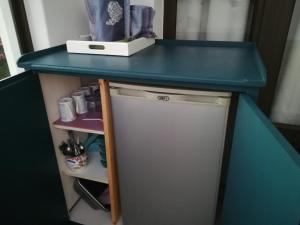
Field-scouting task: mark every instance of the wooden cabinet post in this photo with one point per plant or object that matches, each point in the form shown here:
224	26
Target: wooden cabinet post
110	151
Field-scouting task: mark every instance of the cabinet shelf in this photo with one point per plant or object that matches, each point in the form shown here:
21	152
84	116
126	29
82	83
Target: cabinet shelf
94	170
84	214
88	123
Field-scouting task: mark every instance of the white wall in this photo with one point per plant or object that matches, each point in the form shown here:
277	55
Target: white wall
52	22
67	19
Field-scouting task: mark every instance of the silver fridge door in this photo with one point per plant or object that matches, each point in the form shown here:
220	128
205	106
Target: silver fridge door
169	147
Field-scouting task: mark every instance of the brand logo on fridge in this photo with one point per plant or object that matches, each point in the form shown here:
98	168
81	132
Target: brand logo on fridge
163	98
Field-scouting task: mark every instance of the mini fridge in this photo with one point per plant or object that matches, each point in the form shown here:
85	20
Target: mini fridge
169	146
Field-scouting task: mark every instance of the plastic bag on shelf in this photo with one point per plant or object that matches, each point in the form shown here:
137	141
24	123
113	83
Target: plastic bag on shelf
96	143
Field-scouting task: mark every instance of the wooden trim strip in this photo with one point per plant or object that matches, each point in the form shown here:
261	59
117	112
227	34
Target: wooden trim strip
110	151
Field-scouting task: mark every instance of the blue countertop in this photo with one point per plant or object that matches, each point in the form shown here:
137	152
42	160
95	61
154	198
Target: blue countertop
172	63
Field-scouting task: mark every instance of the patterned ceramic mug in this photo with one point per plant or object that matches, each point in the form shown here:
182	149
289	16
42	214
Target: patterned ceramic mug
77	162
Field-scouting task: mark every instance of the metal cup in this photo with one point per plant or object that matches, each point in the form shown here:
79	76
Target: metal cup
80	102
94	87
85	90
66	109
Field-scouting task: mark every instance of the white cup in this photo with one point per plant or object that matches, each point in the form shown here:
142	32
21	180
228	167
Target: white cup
80	102
66	109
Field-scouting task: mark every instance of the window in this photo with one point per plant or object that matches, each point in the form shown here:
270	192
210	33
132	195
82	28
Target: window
286	108
216	20
4	71
9	50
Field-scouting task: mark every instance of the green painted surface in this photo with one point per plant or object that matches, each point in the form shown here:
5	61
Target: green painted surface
263	186
31	191
172	63
4	71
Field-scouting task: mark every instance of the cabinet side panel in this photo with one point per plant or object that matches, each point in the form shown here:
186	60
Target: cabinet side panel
31	191
263	185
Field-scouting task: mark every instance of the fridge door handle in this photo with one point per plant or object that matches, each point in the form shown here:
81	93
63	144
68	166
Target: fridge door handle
128	93
167	97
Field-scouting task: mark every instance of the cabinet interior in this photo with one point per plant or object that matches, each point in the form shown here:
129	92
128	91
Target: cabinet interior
55	87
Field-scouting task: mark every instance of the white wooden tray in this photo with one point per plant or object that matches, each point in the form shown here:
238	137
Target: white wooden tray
109	48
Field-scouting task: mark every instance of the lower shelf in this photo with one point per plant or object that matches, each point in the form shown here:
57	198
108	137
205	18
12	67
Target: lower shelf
84	214
94	170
